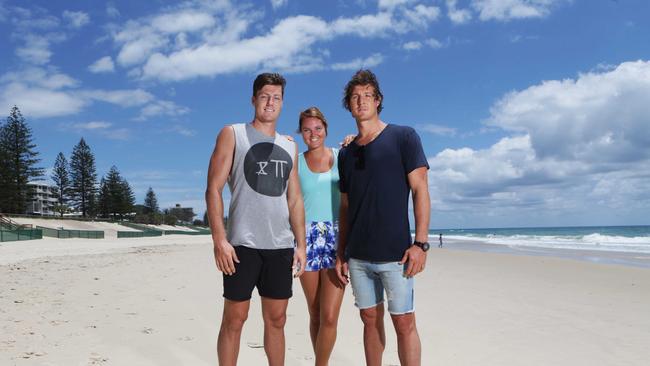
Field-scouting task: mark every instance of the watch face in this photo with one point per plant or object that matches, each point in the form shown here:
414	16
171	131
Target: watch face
424	246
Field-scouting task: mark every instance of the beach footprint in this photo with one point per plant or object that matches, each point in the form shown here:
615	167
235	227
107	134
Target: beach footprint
96	359
252	344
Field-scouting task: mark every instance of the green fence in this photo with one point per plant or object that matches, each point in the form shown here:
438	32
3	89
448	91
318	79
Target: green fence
20	234
66	234
182	232
146	231
138	234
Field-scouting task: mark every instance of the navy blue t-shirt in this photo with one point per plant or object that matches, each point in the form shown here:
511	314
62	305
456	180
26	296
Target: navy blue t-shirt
374	176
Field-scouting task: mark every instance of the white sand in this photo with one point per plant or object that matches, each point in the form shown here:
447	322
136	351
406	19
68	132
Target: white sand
170	227
157	301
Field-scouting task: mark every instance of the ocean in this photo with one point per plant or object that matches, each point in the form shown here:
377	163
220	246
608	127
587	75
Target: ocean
629	239
627	245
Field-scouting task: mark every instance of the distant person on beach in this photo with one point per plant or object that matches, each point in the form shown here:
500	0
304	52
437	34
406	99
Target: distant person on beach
319	177
377	171
440	238
265	214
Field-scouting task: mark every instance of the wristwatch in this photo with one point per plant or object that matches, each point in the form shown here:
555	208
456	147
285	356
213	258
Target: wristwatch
424	246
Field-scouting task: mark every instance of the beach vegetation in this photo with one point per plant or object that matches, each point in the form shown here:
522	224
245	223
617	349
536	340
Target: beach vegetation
18	163
151	202
183	214
169	218
116	198
61	179
83	176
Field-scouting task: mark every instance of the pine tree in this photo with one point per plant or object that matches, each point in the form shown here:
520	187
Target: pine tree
102	199
84	177
61	179
19	157
151	203
115	195
127	199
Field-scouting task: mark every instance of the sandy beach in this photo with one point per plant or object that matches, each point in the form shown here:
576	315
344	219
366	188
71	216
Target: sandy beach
157	301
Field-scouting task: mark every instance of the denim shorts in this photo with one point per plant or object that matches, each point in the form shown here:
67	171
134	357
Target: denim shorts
370	279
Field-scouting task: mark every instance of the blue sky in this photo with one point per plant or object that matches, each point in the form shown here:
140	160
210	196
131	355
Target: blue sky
531	112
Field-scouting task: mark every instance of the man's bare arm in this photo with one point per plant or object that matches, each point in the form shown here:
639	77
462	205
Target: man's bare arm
419	184
297	218
220	165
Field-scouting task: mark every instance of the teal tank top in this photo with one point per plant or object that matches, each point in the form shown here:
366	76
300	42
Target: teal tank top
320	191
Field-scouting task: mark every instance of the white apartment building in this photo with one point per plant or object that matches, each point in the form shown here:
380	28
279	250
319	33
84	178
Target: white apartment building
44	199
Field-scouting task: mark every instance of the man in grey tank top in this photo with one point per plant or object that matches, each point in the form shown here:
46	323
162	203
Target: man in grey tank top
265	215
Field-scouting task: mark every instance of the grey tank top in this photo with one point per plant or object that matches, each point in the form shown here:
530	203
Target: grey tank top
258	216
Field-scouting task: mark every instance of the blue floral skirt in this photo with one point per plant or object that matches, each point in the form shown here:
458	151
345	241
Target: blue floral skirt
321	245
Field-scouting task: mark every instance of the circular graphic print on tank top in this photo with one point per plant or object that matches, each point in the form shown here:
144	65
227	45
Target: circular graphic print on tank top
266	168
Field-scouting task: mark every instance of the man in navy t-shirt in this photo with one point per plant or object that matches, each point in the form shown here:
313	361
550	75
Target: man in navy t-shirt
378	171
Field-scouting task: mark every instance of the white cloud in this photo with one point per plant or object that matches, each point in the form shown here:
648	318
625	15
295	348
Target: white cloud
94	125
436	129
420	16
359	63
104	64
598	117
36	101
411	46
457	16
161	108
287	42
112	11
45	92
100	128
183	21
417	45
29	19
504	10
202	39
35	50
125	98
139	45
37	76
389	4
182	130
76	19
434	43
577	147
276	4
370	25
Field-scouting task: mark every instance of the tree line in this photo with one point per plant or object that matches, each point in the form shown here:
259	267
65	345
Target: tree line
75	181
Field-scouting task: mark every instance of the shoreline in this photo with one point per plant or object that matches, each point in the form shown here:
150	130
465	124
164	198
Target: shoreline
639	260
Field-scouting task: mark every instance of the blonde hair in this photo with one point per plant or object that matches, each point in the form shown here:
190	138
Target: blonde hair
311	112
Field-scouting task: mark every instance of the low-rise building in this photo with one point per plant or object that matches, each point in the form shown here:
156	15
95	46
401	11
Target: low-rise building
43	200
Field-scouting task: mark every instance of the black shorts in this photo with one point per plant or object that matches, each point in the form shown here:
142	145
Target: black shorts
267	269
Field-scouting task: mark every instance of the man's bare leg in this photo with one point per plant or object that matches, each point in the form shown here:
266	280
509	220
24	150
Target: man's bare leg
274	313
408	340
235	314
374	335
310	282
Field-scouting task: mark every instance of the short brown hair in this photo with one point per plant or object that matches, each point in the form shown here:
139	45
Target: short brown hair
268	78
363	77
311	112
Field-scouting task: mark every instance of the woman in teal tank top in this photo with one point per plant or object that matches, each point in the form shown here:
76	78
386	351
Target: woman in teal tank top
318	172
